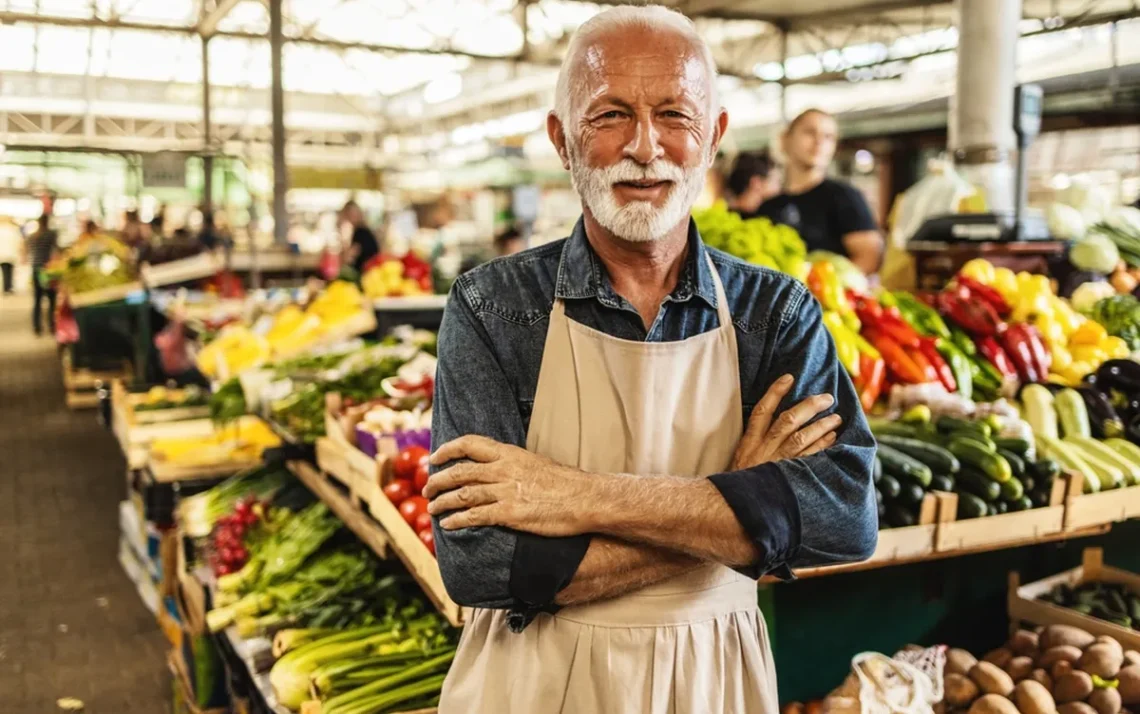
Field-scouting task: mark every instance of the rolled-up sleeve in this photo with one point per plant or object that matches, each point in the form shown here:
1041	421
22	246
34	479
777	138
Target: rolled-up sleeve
490	567
819	509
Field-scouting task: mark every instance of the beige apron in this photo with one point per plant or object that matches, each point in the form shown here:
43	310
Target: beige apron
695	644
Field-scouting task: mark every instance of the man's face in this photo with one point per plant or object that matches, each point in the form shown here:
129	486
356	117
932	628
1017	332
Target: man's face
811	143
640	137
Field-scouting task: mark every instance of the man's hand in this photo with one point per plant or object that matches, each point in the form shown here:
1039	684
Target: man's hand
770	438
504	485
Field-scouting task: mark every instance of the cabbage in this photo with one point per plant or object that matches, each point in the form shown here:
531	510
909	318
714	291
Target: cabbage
1065	222
1096	253
850	277
1089	294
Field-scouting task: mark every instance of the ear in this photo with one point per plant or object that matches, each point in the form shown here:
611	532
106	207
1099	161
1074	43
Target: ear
720	127
557	134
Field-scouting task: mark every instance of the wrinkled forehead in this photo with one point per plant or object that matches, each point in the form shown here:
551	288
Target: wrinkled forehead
636	66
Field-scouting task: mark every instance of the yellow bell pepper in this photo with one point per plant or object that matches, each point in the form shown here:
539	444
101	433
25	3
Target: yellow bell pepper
1065	315
1062	358
1115	347
1093	354
1005	282
979	269
1075	372
1050	328
1090	332
845	345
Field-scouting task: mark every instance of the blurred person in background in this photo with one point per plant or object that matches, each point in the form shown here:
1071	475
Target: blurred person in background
158	223
364	246
753	180
830	215
509	242
90	230
11	245
134	235
209	236
41	246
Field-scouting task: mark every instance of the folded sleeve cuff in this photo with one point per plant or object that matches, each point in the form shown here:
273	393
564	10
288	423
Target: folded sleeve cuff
541	568
769	512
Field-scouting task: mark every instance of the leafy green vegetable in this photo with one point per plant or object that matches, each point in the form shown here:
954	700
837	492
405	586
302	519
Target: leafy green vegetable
1120	315
227	404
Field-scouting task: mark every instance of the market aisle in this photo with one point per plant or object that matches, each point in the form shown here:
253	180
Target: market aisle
71	624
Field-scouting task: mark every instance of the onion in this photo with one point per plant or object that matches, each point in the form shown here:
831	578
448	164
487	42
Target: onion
1123	282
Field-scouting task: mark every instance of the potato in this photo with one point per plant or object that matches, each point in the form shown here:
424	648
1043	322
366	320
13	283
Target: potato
1024	643
1073	687
1033	698
959	662
940	708
1131	657
960	690
994	704
1056	635
1042	677
1129	684
999	657
1019	668
1075	708
1111	642
1060	669
1105	701
1060	653
990	679
1103	660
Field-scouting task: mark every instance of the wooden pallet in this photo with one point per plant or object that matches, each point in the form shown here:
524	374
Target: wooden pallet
1025	607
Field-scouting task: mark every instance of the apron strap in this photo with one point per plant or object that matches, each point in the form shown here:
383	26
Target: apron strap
722	311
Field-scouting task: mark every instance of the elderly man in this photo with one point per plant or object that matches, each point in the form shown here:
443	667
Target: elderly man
598	500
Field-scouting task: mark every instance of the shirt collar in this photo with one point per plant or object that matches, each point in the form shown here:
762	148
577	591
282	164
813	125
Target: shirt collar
582	275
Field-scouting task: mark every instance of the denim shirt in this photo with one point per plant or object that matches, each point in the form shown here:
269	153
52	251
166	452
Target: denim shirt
800	512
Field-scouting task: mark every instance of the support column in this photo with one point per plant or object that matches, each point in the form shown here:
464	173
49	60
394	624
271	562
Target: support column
207	132
981	135
280	179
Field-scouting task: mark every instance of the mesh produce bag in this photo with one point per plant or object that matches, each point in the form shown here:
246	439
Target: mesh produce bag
908	683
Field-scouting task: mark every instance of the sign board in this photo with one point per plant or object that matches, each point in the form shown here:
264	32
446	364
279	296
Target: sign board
365	179
166	169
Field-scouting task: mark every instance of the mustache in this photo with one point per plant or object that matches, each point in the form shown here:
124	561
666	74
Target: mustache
629	170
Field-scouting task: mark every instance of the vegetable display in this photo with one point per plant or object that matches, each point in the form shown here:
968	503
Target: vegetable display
755	240
1113	602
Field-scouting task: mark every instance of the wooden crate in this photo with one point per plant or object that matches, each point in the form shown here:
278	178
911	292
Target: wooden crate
196	267
103	295
901	544
1025	607
184	694
134	437
1083	510
352	512
1004	529
167	472
361	323
126	403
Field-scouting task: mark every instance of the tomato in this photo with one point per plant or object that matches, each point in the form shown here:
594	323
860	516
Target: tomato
428	539
407	461
423	472
412	508
398	491
423	522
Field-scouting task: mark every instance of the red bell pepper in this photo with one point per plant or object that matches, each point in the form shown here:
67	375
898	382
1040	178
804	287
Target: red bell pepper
996	356
894	326
867	309
1016	344
898	362
970	313
945	374
1042	357
985	292
872	374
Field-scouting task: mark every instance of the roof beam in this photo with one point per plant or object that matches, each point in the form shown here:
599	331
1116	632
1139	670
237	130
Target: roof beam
834	17
209	24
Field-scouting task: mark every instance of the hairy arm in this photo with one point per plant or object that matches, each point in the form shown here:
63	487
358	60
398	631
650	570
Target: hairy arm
865	249
614	567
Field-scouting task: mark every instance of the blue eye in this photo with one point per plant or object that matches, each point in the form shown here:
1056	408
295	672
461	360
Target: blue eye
612	114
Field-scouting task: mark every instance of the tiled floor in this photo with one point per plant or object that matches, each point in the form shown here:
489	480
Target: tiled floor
71	623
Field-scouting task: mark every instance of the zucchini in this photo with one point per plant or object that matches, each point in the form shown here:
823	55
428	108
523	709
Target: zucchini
1070	459
1038	410
910	494
1012	490
882	515
1109	476
975	481
919	414
899	516
1072	413
942	482
1022	504
1125	448
878	497
876	470
983	444
900	465
894	428
970	506
1130	469
948	424
889	486
1045	468
971	452
937	458
1020	447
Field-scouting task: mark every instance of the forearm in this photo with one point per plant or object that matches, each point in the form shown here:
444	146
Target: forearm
613	567
685	515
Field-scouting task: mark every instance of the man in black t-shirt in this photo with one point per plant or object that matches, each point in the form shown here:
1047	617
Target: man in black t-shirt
830	215
364	245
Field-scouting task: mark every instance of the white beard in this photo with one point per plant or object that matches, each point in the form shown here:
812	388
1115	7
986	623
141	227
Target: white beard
637	221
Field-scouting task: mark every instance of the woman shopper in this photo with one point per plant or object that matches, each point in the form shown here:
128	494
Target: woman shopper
830	215
41	247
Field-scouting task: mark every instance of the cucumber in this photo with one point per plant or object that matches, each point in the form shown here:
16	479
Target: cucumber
947	424
992	421
1022	504
937	458
991	508
970	452
1045	468
910	494
894	428
876	470
984	444
878	497
1028	483
1012	490
1109	455
1039	499
900	465
942	482
919	414
975	481
1016	463
1020	447
1002	507
970	506
882	515
889	486
899	516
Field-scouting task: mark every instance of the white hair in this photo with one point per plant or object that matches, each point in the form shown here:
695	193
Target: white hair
651	17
